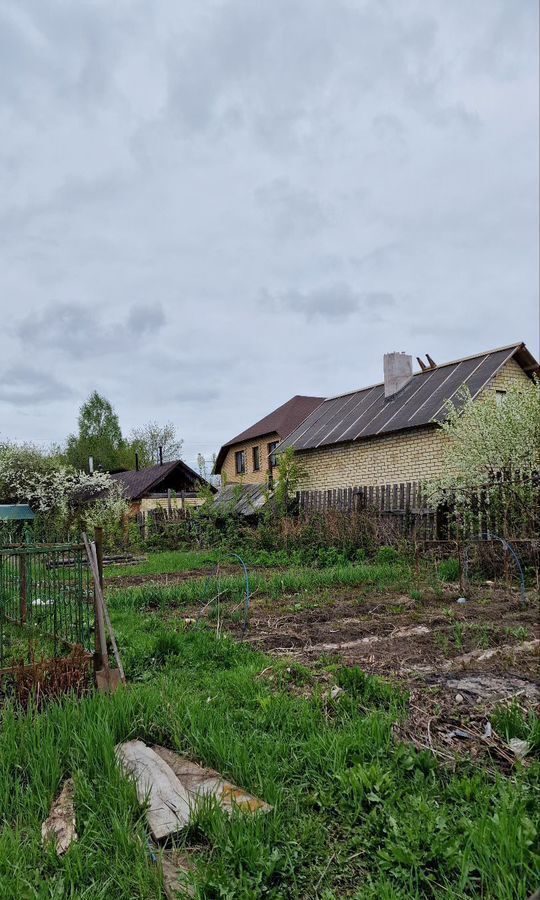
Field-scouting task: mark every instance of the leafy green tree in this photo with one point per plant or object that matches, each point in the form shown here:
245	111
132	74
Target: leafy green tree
289	475
99	437
148	439
494	446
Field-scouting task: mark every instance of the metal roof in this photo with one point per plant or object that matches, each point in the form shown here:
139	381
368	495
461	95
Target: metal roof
280	421
366	413
242	499
16	512
139	483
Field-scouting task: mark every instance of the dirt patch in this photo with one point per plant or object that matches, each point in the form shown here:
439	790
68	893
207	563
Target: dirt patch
167	578
434	643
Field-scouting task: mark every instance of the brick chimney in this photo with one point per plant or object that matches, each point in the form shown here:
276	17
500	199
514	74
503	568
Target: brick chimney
397	373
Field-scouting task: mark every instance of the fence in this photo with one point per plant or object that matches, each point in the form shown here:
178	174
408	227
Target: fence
404	506
155	523
46	601
510	508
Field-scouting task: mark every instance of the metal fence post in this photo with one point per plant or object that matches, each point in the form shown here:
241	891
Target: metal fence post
23	582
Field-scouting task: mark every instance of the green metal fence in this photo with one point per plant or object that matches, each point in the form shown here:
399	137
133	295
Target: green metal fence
46	601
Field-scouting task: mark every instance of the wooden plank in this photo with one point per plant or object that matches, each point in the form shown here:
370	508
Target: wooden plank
176	867
201	782
168	807
60	826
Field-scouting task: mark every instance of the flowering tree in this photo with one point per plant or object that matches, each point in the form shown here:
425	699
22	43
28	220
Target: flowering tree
493	446
59	492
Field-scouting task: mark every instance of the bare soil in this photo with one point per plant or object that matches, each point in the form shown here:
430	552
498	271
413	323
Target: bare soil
456	661
434	642
166	578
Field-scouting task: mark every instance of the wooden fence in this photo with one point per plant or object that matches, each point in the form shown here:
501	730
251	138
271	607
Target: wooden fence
402	507
405	509
158	520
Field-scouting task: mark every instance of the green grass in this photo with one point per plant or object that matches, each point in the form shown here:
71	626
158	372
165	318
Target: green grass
372	577
355	813
167	563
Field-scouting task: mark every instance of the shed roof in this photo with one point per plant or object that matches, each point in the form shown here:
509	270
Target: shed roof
280	421
366	413
137	484
242	499
16	512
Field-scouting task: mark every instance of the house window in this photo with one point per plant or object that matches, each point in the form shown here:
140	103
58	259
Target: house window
500	397
240	462
256	459
271	454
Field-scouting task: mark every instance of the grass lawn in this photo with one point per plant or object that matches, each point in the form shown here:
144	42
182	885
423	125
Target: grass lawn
168	562
356	813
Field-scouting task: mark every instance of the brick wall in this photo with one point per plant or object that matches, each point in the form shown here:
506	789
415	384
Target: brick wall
415	455
228	470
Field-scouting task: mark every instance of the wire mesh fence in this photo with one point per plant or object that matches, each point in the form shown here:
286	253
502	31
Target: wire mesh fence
46	602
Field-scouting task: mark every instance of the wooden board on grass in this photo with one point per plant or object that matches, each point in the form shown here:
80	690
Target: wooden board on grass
200	782
168	801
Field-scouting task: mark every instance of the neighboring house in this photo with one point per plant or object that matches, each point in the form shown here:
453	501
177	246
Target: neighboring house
249	456
389	432
172	484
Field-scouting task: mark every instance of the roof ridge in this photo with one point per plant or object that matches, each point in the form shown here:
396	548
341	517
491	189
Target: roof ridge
451	362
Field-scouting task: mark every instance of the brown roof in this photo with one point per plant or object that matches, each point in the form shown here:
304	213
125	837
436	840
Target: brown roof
140	483
281	421
366	413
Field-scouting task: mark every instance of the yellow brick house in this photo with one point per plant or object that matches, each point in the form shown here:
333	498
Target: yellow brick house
389	432
249	458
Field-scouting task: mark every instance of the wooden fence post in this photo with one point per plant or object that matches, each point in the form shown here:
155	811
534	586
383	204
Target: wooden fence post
98	656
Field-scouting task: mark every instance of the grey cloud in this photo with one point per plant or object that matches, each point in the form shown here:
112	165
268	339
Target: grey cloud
143	320
334	302
239	71
197	395
82	333
293	211
25	386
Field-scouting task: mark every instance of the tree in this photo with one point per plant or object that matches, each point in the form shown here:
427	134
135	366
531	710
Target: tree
58	492
148	439
290	474
99	437
493	446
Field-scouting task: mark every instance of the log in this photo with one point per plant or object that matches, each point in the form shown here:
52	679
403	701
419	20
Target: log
168	808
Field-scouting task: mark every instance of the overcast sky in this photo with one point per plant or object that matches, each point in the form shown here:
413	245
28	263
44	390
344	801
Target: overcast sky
207	207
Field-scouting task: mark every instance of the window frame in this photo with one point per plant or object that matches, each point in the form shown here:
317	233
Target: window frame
240	462
271	447
256	458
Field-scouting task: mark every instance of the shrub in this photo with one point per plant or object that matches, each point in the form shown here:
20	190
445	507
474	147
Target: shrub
386	555
449	569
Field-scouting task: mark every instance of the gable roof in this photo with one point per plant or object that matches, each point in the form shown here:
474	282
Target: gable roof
281	421
138	483
365	413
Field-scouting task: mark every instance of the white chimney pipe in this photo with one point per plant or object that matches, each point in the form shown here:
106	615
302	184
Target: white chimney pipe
397	373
